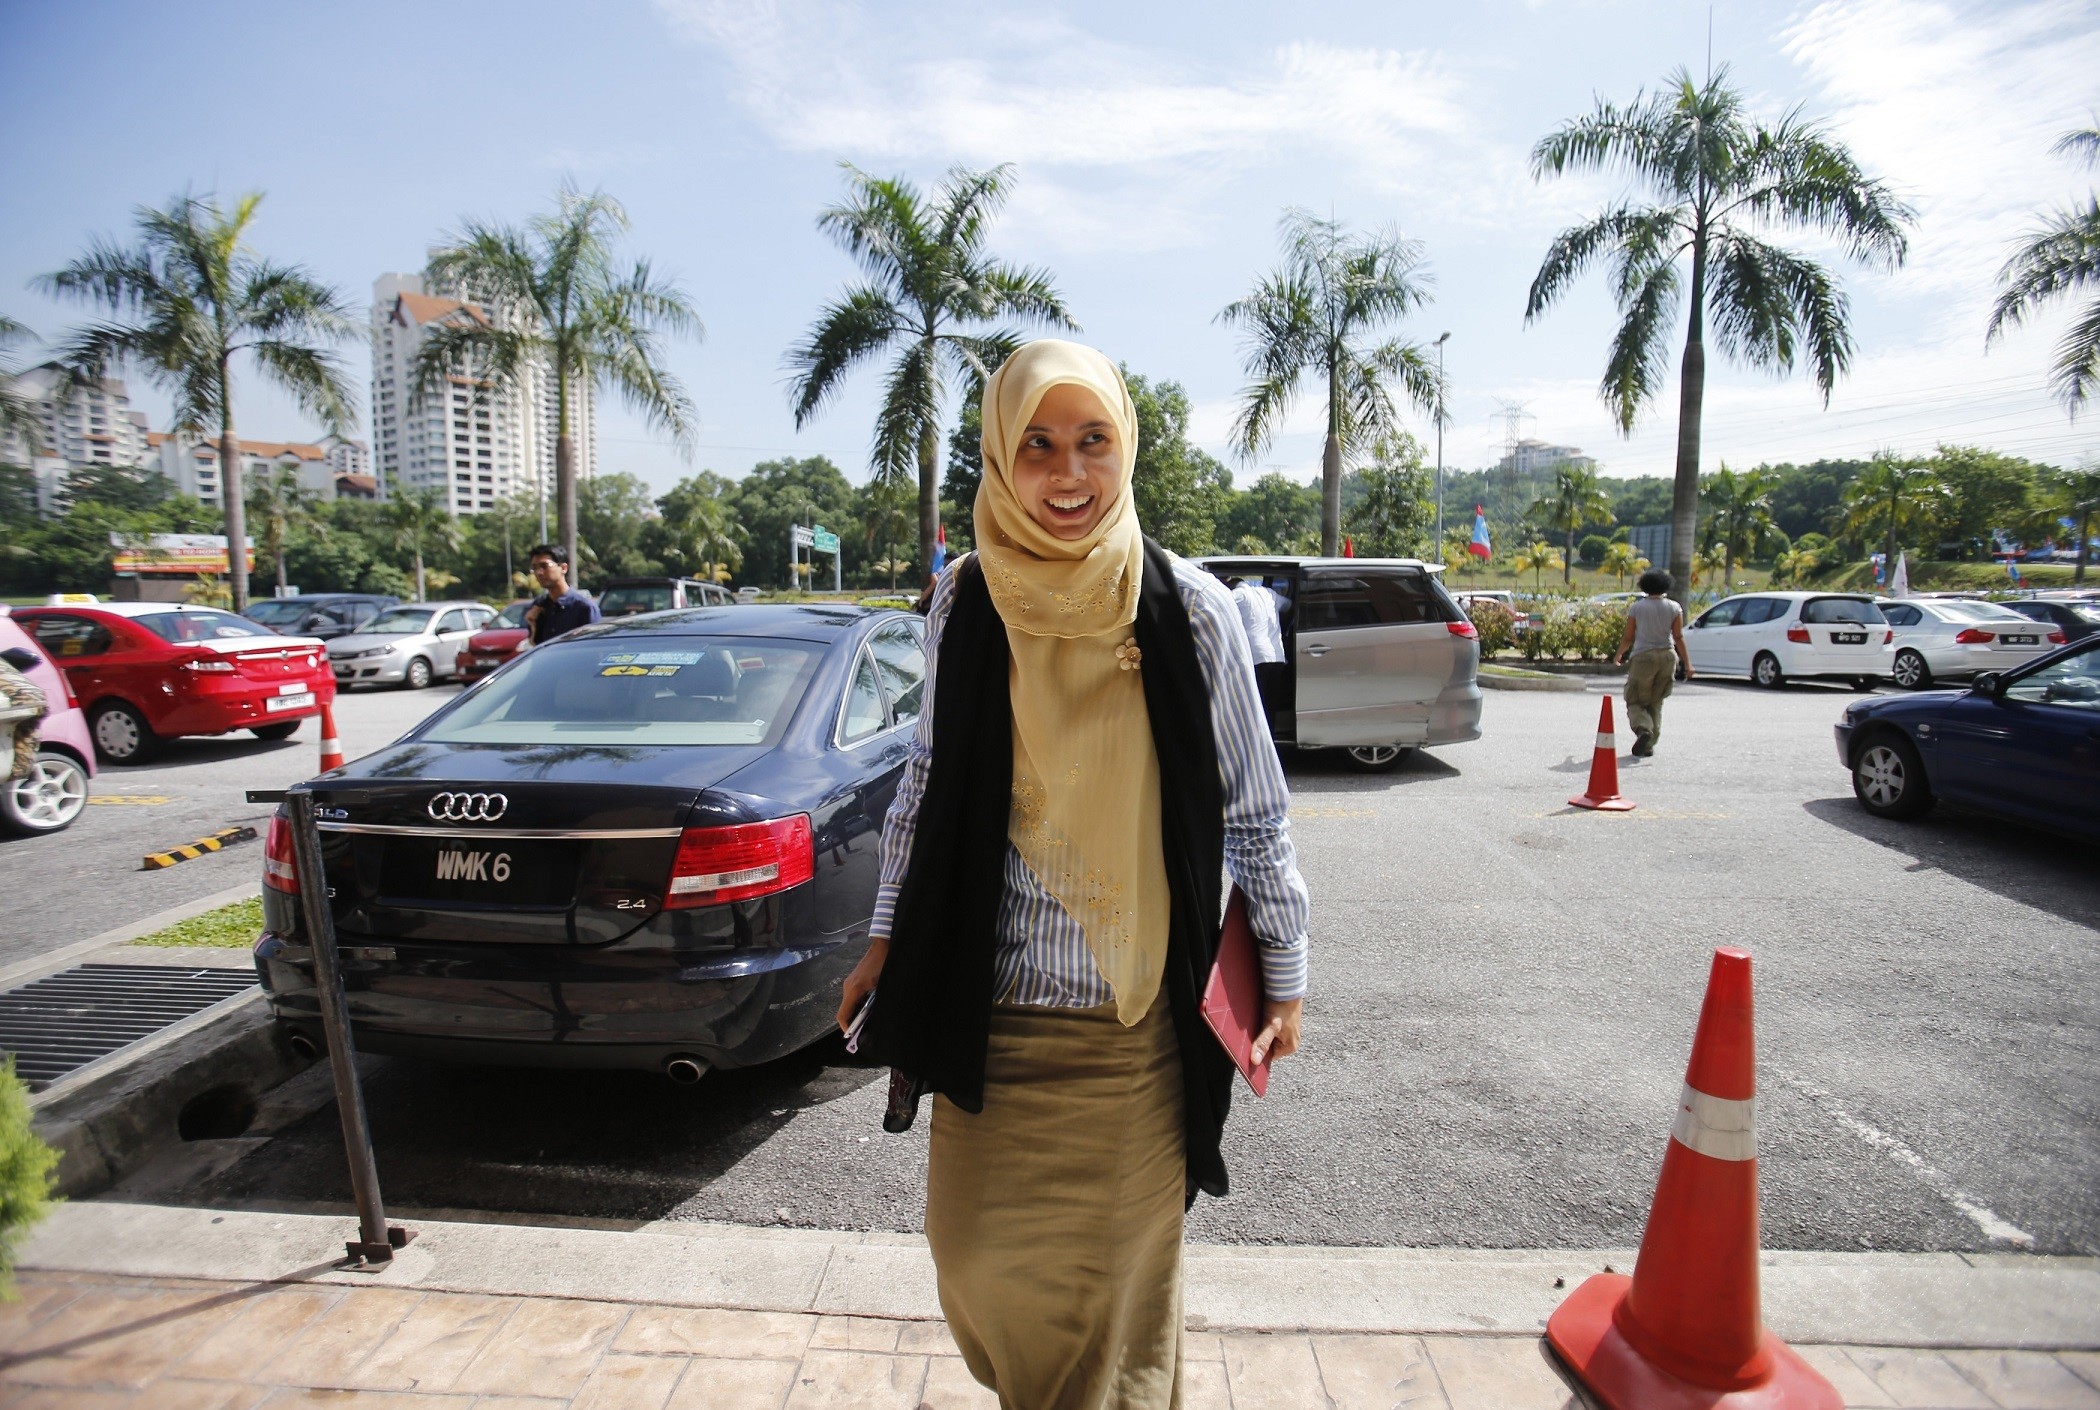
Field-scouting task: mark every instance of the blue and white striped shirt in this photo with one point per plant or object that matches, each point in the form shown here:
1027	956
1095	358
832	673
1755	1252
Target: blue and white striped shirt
1043	956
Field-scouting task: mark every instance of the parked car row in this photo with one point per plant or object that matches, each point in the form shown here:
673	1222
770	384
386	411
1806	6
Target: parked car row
1774	637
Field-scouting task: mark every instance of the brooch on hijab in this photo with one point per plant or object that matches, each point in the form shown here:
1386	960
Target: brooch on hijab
1128	655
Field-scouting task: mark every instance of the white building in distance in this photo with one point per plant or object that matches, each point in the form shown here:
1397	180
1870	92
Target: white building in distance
81	425
474	443
1527	458
331	469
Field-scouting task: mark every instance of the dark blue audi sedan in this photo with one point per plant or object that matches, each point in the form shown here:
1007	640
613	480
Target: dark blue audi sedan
2024	745
649	844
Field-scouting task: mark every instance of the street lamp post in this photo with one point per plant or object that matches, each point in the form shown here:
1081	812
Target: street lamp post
1441	340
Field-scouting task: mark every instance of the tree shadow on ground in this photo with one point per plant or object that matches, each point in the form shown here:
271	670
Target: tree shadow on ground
2023	864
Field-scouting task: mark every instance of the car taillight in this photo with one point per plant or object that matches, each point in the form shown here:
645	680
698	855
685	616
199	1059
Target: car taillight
1799	635
1888	637
1465	629
1972	636
716	865
208	665
2056	638
280	863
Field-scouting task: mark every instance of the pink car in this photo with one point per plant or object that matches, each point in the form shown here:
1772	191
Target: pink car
56	789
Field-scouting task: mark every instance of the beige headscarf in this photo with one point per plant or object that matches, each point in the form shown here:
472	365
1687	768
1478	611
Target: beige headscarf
1086	778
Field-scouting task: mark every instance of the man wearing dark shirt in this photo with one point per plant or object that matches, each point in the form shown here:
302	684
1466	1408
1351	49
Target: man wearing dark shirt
562	609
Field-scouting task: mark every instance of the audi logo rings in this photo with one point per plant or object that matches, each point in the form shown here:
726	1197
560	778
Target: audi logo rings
468	807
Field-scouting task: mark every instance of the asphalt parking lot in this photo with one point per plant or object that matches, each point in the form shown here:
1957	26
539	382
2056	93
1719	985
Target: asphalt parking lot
1504	994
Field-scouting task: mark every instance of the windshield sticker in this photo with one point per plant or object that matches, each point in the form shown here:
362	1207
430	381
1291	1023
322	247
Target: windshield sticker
649	658
750	663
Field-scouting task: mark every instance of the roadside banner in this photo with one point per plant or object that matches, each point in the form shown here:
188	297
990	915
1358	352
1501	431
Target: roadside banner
1899	586
183	554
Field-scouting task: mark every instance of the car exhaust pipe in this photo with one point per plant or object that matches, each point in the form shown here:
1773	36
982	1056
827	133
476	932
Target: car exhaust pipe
303	1046
685	1071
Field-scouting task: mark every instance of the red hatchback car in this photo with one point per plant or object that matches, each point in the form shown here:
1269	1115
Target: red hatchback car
147	671
494	644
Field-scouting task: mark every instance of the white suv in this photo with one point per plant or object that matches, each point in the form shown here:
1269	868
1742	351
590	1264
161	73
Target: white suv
1771	636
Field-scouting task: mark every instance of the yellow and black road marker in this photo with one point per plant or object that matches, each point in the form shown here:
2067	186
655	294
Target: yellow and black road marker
129	800
223	838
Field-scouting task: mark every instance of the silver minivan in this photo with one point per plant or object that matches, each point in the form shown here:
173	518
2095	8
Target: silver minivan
1381	658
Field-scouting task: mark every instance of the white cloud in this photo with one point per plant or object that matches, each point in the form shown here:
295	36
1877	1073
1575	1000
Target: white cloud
1124	147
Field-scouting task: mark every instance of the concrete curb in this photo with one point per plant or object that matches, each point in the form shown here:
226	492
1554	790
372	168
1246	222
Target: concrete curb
64	958
1573	684
1880	1299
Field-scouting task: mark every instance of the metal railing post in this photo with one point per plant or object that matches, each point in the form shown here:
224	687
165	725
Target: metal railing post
376	1242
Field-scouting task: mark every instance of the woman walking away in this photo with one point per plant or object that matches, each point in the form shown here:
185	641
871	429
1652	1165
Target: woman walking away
1655	635
1093	758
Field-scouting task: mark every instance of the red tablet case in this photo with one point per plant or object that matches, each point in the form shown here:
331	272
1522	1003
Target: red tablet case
1232	999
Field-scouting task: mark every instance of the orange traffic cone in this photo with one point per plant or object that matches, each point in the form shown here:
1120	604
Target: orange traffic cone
1686	1330
331	747
1603	792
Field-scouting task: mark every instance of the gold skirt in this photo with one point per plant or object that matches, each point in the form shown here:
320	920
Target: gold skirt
1055	1213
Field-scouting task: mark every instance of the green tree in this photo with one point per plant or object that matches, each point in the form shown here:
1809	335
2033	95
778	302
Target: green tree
1622	560
121	486
27	1170
1576	500
885	511
612	512
1900	495
965	467
281	506
1179	489
1275	512
1740	519
717	539
560	301
1796	565
1322	311
1394	515
929	278
18	414
1987	491
419	522
1719	180
2076	494
185	301
1537	558
779	493
2060	256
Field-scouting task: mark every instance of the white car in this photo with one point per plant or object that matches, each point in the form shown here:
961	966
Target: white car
1953	637
1773	637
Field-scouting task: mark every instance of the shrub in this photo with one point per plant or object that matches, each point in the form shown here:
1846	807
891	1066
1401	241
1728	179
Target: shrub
1591	550
1496	624
26	1165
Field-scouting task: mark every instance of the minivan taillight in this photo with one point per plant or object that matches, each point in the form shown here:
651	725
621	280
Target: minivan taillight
2056	638
1972	636
1798	635
1888	636
716	865
280	863
1465	629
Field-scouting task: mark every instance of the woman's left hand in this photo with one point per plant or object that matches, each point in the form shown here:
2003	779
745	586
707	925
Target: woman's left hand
1279	1033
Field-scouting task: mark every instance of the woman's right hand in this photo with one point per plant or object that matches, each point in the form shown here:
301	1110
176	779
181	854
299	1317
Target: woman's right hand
862	981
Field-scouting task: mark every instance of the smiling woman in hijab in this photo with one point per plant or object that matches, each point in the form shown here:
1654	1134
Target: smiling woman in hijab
1093	758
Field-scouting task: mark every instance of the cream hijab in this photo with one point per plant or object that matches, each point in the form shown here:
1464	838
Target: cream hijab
1086	815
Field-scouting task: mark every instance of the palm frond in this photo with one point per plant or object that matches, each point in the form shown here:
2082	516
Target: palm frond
911	410
1283	328
975	357
2061	256
999	290
849	331
967	201
1639	363
314	378
485	355
2081	142
1575	249
1795	173
880	226
1632	138
2078	360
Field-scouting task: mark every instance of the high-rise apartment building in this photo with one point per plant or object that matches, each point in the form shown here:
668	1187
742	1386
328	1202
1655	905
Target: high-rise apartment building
331	469
475	443
80	425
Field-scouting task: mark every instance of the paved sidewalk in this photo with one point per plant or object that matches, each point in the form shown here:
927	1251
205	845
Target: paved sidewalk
97	1342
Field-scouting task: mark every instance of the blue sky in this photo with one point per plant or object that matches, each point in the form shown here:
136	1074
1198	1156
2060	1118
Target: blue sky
1154	146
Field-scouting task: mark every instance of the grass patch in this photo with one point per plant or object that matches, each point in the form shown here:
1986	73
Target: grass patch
231	927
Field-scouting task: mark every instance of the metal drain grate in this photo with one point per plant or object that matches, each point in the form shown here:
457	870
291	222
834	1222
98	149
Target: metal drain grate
67	1020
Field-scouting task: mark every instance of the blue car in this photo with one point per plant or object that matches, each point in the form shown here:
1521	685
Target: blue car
2024	744
651	844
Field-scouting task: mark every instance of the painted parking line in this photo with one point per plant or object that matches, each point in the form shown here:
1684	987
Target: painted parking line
129	800
218	841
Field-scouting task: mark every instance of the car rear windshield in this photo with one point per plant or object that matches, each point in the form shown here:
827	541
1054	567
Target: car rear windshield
1974	611
1840	609
282	612
610	690
199	626
621	601
399	621
1333	600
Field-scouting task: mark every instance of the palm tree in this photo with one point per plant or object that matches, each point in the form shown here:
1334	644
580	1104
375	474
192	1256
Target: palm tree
1623	561
929	279
1719	179
1320	311
1708	565
1537	558
2061	255
18	414
884	514
1795	565
1742	512
712	528
1577	498
1894	493
420	519
282	505
560	303
2077	496
185	300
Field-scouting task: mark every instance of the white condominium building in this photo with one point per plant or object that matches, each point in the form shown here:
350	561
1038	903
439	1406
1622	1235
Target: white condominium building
332	469
1530	457
475	443
80	425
